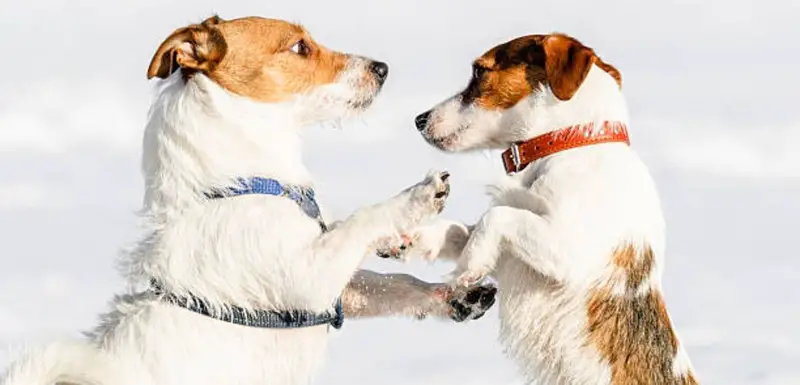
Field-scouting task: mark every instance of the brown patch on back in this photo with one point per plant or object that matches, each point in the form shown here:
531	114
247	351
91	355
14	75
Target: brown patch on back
632	331
636	265
250	56
511	71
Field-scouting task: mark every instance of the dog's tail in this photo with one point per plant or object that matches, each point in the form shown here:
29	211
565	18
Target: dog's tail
67	362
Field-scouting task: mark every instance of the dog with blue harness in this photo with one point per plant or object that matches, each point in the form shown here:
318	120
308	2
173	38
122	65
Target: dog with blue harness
236	278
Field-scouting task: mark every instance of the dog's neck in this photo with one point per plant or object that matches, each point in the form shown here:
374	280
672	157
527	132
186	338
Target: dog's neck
598	99
521	154
200	136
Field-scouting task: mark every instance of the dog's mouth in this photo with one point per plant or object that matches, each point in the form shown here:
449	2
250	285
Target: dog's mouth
365	101
360	104
446	142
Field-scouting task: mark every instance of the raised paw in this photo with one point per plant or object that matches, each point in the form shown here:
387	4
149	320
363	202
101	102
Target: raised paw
441	187
471	303
394	247
431	194
420	202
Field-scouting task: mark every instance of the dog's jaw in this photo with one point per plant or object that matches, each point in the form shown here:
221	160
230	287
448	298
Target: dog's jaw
347	97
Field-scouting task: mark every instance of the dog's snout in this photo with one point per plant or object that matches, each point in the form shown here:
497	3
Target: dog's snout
422	120
380	69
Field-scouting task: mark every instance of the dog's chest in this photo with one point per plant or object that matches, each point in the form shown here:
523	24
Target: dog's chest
542	323
543	327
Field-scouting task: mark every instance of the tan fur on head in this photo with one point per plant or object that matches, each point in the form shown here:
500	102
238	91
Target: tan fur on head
511	71
264	59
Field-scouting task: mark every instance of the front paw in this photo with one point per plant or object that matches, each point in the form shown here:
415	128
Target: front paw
471	303
427	198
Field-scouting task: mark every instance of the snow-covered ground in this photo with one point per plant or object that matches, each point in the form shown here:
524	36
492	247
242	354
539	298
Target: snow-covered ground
712	101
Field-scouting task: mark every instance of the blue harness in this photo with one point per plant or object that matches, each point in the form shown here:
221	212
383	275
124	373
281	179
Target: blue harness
304	197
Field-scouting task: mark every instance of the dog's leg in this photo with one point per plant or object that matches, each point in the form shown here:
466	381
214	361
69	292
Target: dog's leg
439	239
339	252
370	294
503	229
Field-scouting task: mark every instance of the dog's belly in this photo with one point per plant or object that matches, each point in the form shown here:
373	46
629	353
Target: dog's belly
543	326
174	346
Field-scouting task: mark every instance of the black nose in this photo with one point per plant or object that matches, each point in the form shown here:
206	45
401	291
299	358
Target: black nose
380	69
422	120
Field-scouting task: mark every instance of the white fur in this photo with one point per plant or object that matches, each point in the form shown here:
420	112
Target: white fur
552	228
254	251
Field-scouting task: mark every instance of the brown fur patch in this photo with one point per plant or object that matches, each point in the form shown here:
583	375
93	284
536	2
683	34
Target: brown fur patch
635	265
197	47
567	64
634	335
250	56
511	71
632	331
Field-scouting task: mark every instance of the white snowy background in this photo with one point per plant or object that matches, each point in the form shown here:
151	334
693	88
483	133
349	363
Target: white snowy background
712	88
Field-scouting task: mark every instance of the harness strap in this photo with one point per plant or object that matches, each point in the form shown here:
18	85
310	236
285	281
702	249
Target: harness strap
303	196
270	319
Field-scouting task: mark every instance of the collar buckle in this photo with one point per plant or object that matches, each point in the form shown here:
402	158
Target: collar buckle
515	158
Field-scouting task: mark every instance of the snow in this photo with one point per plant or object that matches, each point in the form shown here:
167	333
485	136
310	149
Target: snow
717	137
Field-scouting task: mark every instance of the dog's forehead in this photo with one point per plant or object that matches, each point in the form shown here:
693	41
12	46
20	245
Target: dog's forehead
510	53
261	31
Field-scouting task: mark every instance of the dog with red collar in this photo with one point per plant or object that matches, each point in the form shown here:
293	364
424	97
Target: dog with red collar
575	235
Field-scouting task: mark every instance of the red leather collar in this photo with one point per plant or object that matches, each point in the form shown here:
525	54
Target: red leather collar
522	154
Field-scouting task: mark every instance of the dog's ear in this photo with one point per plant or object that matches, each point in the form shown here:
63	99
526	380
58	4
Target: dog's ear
198	47
613	71
567	63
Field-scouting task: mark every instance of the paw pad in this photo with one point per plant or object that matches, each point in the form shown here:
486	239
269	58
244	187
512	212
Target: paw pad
472	303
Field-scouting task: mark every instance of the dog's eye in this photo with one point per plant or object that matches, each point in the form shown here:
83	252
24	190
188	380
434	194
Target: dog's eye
300	48
477	72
